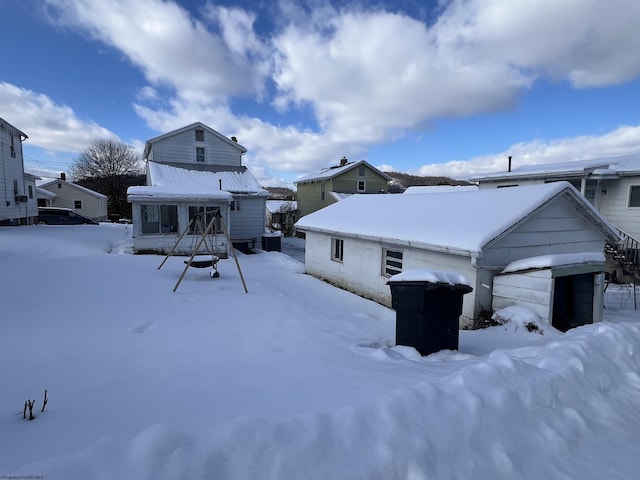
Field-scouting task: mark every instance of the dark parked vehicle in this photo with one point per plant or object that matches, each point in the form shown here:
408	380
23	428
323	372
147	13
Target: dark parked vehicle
62	216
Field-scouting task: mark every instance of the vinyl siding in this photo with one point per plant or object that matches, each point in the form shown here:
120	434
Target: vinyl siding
555	229
12	169
533	290
348	182
249	222
310	198
181	148
93	207
615	205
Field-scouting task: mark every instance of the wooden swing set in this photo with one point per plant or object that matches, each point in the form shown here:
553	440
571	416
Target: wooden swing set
203	226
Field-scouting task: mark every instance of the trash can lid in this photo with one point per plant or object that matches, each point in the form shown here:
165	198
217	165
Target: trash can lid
419	276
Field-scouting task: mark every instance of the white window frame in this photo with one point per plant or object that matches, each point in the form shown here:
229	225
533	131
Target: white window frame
199	135
337	249
364	186
200	153
74	204
235	205
392	261
631	187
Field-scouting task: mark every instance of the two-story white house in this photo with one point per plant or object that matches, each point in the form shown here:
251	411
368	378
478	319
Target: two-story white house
612	185
18	204
190	170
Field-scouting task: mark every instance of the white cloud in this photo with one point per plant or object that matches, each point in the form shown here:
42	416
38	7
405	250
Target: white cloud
48	125
170	46
622	141
367	75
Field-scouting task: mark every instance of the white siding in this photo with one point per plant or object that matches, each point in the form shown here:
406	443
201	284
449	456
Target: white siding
533	290
12	171
181	148
614	205
163	243
360	271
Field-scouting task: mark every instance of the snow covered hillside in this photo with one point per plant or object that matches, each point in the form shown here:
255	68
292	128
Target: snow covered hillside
296	379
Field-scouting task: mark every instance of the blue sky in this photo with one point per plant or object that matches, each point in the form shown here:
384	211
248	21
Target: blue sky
432	88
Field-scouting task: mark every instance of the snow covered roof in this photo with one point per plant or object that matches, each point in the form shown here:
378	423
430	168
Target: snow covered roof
44	193
199	125
335	170
4	125
337	196
438	188
176	192
45	183
194	181
602	167
461	222
431	276
550	261
275	205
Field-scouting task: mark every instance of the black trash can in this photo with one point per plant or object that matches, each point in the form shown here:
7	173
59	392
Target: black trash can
428	305
271	242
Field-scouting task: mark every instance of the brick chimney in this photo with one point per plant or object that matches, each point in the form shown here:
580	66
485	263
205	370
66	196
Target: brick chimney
343	161
234	139
63	176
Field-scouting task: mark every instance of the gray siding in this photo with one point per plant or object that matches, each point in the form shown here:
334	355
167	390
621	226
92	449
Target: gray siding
181	148
555	229
249	222
310	196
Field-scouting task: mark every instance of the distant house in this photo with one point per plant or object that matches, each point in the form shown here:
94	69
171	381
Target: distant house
82	200
539	246
17	188
190	170
332	184
612	185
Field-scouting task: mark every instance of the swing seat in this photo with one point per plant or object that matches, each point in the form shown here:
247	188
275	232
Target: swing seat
203	261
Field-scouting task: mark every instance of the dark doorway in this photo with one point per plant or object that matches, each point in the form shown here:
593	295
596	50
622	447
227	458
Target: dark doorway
573	301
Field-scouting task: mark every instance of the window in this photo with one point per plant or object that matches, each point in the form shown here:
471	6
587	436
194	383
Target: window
322	191
199	135
159	218
30	191
59	186
361	185
361	170
15	187
391	262
204	219
77	204
235	205
199	154
13	148
634	196
337	248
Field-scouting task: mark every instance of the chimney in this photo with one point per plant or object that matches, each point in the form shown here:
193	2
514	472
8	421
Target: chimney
63	176
509	164
343	161
234	139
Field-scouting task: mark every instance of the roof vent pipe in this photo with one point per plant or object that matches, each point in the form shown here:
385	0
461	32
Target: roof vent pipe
509	163
220	182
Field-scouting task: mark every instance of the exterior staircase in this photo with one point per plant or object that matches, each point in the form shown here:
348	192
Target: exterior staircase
625	255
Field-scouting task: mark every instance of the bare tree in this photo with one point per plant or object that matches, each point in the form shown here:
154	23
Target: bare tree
109	167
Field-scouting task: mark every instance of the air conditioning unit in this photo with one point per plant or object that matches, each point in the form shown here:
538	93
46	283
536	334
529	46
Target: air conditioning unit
21	199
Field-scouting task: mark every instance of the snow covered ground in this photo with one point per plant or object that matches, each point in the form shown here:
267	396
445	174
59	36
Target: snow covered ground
296	379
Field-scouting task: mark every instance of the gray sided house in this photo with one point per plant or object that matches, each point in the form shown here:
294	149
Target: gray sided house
612	185
540	246
190	170
331	184
18	203
82	200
